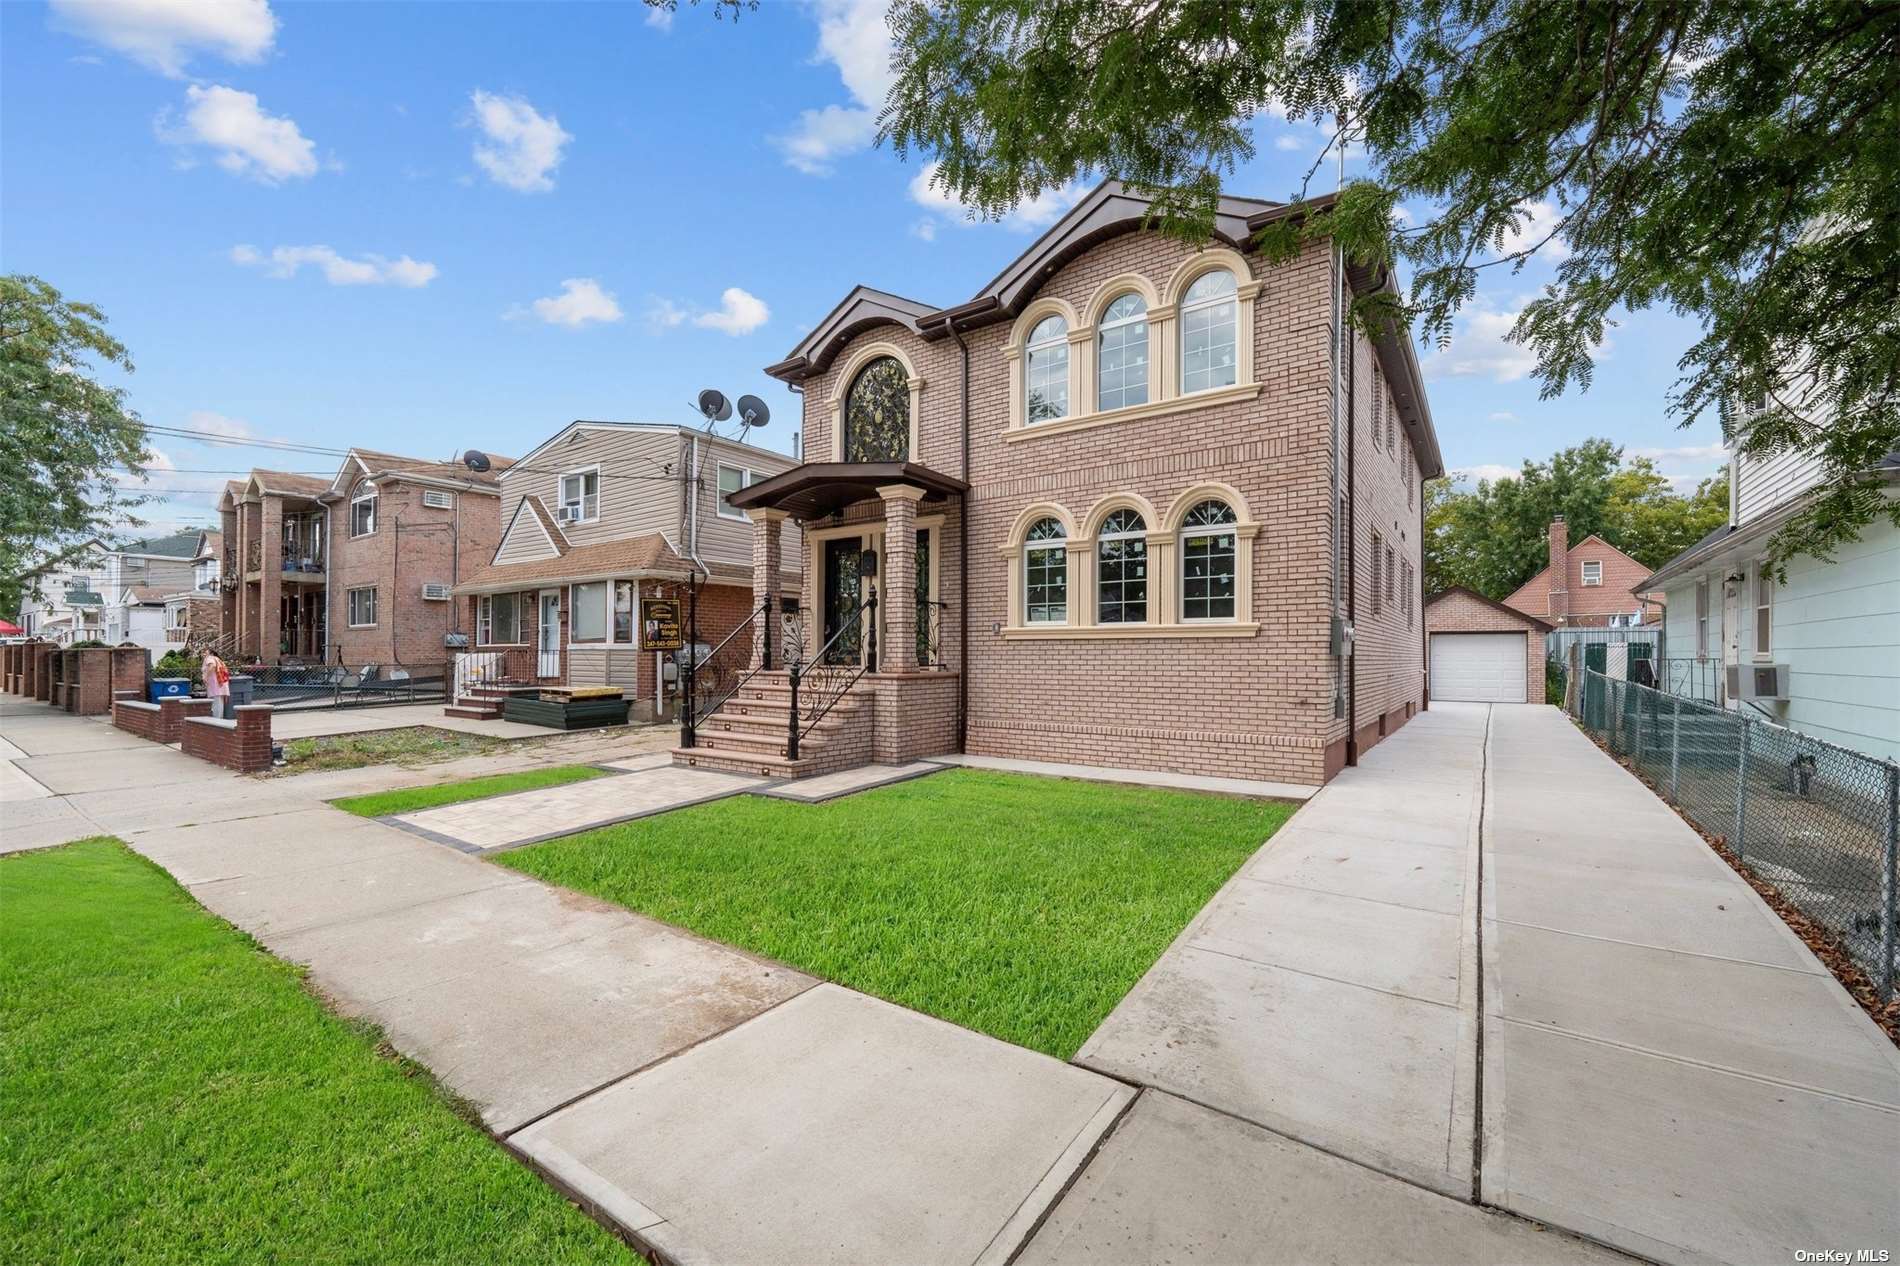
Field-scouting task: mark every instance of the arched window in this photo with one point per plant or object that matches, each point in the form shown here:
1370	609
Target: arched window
1209	562
1046	573
1046	371
363	509
877	413
1209	356
1122	375
1121	569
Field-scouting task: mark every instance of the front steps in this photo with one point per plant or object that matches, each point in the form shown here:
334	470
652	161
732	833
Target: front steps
482	703
750	732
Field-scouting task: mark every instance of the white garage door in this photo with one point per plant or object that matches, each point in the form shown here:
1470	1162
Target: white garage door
1480	667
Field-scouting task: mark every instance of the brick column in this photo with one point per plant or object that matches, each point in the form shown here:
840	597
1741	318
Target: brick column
253	737
767	555
270	616
897	651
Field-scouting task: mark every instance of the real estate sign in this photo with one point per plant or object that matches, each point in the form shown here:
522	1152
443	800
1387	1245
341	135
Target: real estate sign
660	628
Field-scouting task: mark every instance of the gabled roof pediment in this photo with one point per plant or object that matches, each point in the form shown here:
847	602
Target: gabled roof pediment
531	534
862	309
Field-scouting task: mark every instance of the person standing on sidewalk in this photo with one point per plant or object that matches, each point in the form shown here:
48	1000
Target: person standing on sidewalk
217	684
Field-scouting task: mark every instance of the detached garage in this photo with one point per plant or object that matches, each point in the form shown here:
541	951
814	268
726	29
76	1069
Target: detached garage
1483	651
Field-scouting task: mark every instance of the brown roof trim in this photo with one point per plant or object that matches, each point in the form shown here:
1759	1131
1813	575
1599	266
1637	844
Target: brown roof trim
817	489
858	311
1513	612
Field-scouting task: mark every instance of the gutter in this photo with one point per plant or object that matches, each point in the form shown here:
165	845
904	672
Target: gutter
1352	548
523	584
963	551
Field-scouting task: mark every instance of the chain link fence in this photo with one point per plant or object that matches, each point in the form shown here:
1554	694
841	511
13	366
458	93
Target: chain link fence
1819	823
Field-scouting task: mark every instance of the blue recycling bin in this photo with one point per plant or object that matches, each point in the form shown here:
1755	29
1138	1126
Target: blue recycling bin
170	688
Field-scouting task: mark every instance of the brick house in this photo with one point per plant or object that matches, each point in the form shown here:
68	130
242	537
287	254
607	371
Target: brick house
356	569
1483	651
598	518
1591	584
1136	503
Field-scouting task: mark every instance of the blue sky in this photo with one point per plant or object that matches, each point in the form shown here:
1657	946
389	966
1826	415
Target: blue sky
425	227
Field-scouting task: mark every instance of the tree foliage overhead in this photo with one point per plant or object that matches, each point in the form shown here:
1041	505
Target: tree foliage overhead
1493	538
63	436
1732	160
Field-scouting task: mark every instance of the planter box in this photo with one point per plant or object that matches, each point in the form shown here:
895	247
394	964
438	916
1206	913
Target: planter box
576	714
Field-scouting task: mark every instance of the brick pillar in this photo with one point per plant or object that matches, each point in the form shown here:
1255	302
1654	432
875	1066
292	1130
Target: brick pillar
1559	571
270	616
897	599
767	555
253	737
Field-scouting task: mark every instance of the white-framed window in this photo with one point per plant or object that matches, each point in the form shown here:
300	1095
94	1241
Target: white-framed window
363	510
1046	573
1121	375
1592	574
1209	348
1046	371
587	613
1702	618
1764	609
361	607
437	499
1210	562
498	620
731	480
623	612
1121	569
1378	406
580	496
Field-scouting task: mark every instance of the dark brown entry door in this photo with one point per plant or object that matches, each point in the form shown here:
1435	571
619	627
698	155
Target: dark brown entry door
844	591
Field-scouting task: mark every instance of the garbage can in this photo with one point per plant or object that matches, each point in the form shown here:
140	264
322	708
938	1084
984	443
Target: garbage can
243	689
170	688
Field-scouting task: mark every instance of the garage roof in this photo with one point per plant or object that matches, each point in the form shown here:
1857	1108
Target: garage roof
1513	612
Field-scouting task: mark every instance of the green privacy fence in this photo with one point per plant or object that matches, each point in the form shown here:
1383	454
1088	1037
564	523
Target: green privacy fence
1817	822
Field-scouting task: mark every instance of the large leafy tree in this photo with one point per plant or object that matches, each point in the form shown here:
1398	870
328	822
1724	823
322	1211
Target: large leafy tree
1494	537
63	435
1733	160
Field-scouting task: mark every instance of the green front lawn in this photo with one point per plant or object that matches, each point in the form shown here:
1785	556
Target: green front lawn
1022	907
174	1094
409	799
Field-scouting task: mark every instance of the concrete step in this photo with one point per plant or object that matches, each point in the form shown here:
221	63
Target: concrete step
476	712
758	766
743	744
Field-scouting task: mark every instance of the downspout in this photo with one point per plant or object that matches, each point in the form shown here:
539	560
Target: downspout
1352	548
963	554
1424	642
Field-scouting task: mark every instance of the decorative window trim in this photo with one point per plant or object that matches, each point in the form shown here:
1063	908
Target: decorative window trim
1098	520
560	495
1050	345
848	374
358	499
1763	605
1138	412
1015	355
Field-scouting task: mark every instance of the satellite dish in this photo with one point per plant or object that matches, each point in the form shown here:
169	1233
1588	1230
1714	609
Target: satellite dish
714	405
475	461
752	411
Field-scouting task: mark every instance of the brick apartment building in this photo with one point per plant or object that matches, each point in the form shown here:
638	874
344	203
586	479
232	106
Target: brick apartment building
357	569
1127	501
1591	584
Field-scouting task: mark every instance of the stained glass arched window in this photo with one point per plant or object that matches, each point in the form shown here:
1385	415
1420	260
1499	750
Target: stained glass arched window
877	413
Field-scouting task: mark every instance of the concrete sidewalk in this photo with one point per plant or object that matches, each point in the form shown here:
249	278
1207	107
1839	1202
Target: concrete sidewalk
1666	1066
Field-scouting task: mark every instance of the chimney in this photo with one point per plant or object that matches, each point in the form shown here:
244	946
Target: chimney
1559	571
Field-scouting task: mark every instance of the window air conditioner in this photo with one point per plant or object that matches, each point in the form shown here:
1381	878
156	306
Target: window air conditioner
435	593
570	514
1758	681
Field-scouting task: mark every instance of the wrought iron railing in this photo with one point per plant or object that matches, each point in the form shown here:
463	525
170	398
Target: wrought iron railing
930	618
845	657
708	681
1700	679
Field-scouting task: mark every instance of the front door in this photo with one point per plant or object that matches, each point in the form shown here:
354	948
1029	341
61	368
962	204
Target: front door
548	639
1732	591
843	595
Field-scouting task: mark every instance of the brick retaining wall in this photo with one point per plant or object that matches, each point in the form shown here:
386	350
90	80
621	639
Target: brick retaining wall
242	743
159	722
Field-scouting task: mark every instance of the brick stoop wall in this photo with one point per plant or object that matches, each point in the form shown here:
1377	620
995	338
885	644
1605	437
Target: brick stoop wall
39	671
242	744
86	686
159	722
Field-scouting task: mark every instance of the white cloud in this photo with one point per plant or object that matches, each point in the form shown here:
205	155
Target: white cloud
1288	143
1481	348
660	19
164	34
1540	218
1493	473
264	147
580	302
1504	415
219	424
338	270
1038	213
1686	453
739	313
853	36
925	229
525	145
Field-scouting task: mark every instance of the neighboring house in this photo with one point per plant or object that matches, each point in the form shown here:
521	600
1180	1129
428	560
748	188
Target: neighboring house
356	569
1483	651
194	617
1109	499
66	603
598	517
1591	584
1833	626
138	575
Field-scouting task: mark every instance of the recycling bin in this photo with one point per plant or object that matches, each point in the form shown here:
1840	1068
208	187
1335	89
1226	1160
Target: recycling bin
170	688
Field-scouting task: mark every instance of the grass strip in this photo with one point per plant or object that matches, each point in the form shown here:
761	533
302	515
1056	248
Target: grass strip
409	799
1019	906
174	1094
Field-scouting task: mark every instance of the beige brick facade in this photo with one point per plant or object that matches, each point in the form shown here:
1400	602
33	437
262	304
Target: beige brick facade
1258	695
